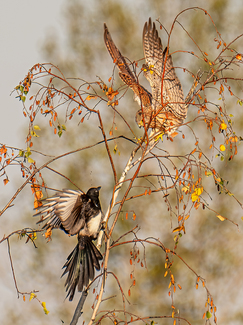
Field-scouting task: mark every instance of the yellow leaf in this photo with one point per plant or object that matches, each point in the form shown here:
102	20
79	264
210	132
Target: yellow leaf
198	191
222	147
223	126
36	127
220	217
178	229
208	173
44	308
185	189
30	160
34	134
32	295
194	197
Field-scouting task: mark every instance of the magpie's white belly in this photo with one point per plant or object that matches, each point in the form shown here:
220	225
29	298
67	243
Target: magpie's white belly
93	225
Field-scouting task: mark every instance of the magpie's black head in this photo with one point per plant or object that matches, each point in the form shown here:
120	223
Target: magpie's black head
93	192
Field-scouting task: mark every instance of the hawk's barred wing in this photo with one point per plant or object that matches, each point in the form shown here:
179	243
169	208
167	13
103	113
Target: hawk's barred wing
153	53
160	72
125	72
141	95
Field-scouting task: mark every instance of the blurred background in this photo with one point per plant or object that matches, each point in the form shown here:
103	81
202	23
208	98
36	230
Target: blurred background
69	34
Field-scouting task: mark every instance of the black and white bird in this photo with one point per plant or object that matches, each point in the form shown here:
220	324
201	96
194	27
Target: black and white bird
79	214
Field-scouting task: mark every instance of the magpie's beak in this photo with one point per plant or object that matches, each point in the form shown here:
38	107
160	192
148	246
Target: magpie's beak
98	188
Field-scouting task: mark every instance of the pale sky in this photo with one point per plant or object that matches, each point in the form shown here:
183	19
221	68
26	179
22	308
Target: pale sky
23	28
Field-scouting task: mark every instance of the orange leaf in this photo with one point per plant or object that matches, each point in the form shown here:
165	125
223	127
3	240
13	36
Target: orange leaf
48	233
5	181
238	56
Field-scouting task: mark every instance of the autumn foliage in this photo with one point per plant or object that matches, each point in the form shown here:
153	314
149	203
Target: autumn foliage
179	176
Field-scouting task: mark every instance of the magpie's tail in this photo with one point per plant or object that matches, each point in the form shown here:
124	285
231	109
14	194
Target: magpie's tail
80	266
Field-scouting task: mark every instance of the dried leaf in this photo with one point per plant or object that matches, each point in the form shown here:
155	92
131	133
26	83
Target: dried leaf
5	181
220	217
239	56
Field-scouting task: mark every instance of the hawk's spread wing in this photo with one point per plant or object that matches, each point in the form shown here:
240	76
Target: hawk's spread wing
125	72
160	73
141	95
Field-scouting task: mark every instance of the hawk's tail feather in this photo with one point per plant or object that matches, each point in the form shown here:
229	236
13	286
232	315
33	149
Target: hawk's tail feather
80	266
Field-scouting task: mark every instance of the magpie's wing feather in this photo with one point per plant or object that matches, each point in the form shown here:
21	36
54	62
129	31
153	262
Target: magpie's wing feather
64	210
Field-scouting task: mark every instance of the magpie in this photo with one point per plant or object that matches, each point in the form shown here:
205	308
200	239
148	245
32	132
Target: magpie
79	214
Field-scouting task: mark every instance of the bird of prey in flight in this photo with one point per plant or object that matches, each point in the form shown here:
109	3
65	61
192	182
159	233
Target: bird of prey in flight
165	109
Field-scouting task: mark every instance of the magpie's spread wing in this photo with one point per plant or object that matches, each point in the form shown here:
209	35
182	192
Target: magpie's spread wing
65	211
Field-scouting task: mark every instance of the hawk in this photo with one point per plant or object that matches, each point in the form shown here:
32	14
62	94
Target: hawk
165	109
79	214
